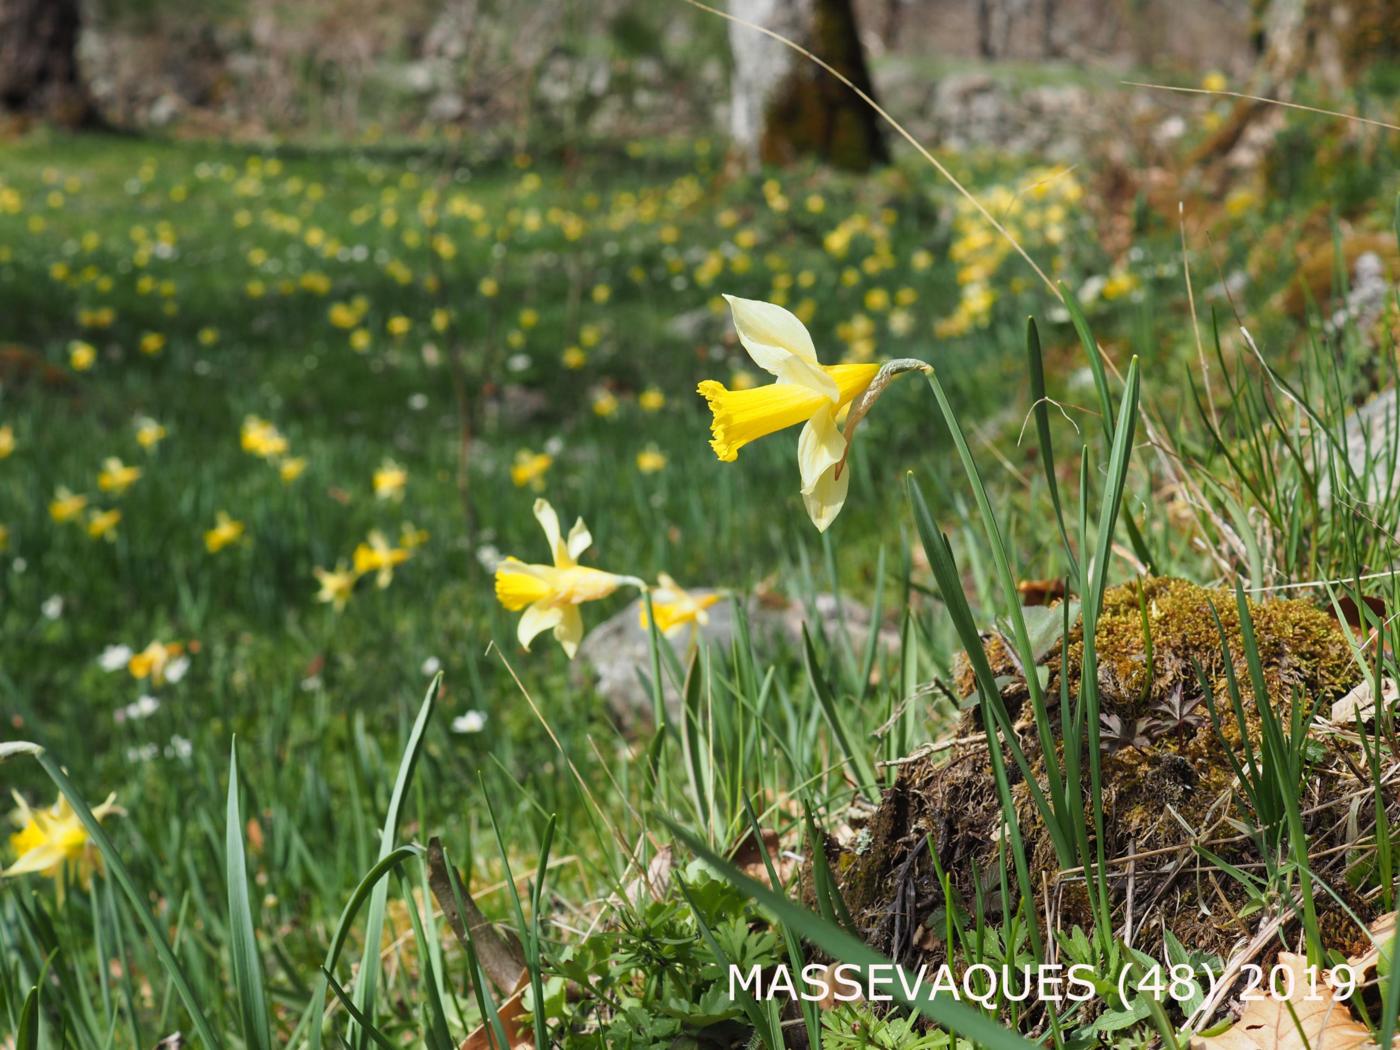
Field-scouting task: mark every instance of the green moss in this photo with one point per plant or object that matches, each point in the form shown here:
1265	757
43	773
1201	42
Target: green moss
1300	647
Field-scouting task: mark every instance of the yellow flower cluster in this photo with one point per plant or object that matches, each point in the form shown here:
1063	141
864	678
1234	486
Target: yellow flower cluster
374	556
1039	214
114	478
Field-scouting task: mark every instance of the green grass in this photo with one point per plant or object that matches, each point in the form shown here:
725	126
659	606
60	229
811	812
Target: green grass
239	885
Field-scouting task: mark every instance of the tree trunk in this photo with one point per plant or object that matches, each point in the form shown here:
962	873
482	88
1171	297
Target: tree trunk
783	106
39	74
985	48
1049	47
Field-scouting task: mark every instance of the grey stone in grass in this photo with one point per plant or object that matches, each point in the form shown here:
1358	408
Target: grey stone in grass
615	656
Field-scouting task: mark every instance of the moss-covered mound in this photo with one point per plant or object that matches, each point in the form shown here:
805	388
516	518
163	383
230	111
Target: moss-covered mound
1167	780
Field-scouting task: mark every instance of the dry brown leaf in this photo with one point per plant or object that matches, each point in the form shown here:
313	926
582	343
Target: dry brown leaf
748	858
1382	930
1361	703
498	949
1267	1023
518	1033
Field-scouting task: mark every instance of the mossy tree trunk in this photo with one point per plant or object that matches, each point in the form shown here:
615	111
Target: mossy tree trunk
783	106
39	73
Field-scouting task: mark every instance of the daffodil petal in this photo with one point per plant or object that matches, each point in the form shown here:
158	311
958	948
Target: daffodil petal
549	521
580	539
827	497
40	859
538	618
568	632
769	324
780	344
819	448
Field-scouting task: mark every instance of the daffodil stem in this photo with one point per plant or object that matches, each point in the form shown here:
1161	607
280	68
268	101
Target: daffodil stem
866	401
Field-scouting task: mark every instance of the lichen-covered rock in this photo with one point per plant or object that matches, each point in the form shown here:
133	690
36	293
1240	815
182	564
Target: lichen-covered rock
1167	774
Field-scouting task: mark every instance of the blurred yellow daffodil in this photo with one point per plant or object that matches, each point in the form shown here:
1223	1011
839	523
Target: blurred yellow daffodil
261	438
116	477
336	585
225	531
102	524
159	661
66	505
81	355
290	468
676	608
7	441
805	391
390	480
651	459
529	468
149	433
378	556
551	594
50	841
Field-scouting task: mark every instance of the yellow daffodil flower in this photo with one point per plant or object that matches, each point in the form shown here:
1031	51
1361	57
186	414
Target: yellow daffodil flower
604	404
261	438
225	531
51	841
116	477
290	469
378	556
81	355
7	441
4	537
806	391
66	505
158	661
389	480
336	585
411	537
529	468
675	608
650	460
651	400
149	433
551	594
102	524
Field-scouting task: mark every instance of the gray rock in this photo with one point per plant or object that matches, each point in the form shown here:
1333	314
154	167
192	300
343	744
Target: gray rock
615	656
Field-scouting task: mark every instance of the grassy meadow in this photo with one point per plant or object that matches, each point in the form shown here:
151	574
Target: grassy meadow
270	419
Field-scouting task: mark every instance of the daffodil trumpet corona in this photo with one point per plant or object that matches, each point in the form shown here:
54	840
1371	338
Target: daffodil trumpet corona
804	391
549	595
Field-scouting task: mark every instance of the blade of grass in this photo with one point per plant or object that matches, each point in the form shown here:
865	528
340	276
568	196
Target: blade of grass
243	945
317	1009
367	979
